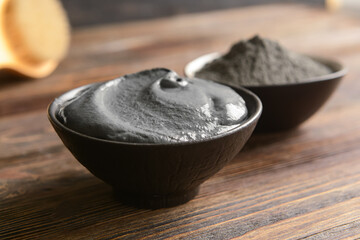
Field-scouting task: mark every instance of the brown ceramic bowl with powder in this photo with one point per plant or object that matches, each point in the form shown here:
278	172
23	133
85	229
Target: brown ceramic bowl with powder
285	105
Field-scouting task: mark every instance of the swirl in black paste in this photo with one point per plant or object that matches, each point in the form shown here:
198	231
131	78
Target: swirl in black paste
154	106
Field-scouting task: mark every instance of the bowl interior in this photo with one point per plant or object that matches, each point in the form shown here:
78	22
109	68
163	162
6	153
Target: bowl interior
253	105
338	70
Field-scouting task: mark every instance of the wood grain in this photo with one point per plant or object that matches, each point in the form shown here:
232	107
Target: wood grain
301	184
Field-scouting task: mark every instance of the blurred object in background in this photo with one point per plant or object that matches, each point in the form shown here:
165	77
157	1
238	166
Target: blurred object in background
94	12
348	6
34	36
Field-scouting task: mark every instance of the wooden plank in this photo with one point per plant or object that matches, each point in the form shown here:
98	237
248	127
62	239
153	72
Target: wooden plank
289	185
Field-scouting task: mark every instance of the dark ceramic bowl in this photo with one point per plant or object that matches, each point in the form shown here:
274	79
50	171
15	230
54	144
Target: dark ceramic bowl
286	106
155	175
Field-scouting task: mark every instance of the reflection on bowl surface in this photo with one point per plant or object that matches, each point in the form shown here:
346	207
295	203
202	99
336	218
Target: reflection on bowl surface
156	175
286	106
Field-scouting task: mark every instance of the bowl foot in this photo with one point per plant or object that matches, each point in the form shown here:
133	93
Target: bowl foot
155	201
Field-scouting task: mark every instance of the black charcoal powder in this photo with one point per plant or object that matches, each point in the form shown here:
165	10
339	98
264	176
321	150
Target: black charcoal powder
260	61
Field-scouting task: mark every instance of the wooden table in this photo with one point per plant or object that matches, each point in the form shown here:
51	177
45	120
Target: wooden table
299	184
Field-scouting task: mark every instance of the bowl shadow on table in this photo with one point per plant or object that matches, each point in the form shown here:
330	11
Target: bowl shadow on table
263	139
267	153
65	199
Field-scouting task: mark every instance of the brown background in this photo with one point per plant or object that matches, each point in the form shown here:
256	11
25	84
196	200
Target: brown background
94	12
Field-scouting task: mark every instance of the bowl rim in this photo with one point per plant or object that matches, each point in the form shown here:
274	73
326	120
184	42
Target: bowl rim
339	70
56	103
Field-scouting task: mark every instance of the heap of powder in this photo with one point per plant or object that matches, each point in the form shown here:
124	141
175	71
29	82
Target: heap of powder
260	61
